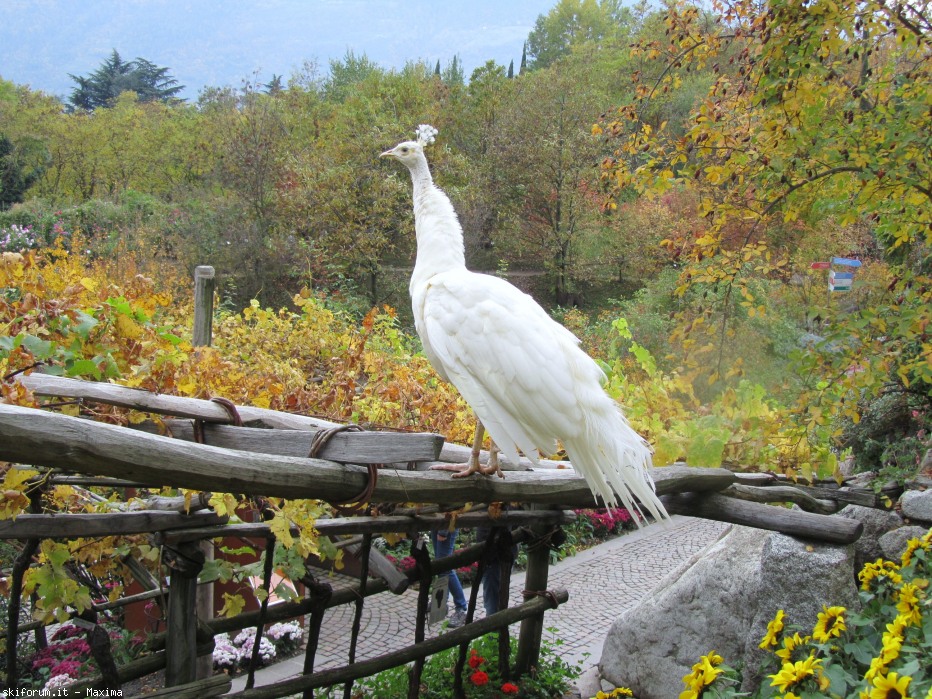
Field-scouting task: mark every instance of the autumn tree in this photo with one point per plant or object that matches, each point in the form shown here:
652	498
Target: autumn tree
818	111
547	160
571	23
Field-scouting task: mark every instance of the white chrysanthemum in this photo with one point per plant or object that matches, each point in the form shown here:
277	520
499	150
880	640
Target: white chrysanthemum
244	636
225	655
267	650
58	682
290	631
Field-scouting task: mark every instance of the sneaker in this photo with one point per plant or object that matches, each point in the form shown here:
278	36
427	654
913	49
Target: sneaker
457	619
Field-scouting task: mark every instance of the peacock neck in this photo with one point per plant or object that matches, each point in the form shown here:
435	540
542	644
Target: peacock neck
439	234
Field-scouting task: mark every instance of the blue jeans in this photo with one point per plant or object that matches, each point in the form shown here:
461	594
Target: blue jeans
443	542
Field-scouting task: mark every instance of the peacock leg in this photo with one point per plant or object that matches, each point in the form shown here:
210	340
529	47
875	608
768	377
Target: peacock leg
493	466
473	462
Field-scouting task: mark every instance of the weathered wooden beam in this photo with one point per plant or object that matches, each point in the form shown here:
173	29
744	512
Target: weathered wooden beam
375	525
70	525
345	447
719	507
782	493
450	639
179	406
49	439
95	482
200	689
823	490
113	394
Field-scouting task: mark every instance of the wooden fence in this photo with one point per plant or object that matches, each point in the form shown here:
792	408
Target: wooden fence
217	447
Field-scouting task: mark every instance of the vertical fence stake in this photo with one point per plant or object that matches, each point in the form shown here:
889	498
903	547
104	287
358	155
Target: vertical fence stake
422	559
269	566
320	594
491	542
204	284
506	560
20	565
357	617
181	633
538	570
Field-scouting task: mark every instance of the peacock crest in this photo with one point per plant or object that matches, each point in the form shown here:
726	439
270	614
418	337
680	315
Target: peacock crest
425	134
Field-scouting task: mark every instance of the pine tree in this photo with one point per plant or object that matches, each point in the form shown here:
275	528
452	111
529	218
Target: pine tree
115	76
524	59
511	70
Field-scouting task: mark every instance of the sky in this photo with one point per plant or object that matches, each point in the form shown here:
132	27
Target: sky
220	43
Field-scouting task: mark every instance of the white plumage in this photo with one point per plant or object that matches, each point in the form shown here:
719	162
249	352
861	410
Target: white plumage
522	373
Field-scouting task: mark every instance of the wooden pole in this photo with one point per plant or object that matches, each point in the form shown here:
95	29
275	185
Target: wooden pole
538	571
204	284
181	634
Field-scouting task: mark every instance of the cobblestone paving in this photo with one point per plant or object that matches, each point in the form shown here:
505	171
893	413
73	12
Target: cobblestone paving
602	582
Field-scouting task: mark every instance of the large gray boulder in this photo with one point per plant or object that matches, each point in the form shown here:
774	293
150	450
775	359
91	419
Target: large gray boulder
876	523
893	544
722	600
916	505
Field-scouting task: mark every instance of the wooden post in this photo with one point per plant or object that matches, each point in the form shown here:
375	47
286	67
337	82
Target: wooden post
538	570
204	284
181	635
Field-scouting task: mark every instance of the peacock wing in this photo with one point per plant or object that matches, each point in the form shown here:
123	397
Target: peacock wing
516	367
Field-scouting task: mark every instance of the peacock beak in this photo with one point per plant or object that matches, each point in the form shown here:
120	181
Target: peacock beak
388	153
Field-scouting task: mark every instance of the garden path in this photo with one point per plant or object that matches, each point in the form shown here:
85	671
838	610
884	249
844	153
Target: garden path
602	582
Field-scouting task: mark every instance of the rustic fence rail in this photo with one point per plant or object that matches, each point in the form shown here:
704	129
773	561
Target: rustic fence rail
270	458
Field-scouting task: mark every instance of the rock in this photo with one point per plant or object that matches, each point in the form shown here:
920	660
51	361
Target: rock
917	505
722	600
876	524
893	544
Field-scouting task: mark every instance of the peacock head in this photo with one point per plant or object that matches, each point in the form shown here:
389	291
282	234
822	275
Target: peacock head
409	151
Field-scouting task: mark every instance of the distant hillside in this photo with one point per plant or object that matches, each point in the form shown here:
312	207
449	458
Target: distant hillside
215	43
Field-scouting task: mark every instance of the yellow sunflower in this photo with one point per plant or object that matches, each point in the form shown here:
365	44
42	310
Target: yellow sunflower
791	643
889	652
792	673
773	630
830	624
879	569
890	687
702	675
907	603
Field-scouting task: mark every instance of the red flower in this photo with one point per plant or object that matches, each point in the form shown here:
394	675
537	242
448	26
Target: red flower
509	688
475	660
479	678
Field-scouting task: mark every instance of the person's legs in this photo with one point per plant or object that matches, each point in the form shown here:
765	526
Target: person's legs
444	543
491	580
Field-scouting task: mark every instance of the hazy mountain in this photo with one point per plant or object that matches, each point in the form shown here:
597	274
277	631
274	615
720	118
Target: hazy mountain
222	42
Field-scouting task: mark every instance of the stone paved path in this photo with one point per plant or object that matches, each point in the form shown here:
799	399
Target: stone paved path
602	582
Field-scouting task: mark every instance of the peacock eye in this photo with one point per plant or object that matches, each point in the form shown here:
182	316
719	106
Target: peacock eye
404	150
